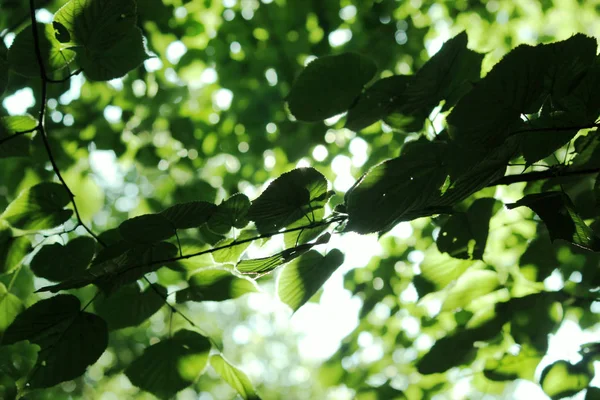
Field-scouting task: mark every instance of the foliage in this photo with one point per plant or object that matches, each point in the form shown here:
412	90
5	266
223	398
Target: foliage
492	164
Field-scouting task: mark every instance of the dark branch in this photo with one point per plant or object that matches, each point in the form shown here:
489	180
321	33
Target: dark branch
555	129
16	135
539	175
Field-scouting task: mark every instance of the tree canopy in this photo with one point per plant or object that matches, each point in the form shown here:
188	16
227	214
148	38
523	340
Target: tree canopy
166	166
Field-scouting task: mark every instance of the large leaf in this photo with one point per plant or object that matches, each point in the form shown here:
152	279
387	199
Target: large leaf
235	377
189	215
129	306
17	146
558	213
39	207
215	284
329	85
288	198
104	32
397	190
302	278
170	365
10	307
232	213
563	379
12	250
268	264
56	262
70	340
149	228
22	55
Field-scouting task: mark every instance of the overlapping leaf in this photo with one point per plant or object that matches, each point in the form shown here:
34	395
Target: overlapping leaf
232	213
148	228
70	340
189	215
56	262
10	307
215	284
16	146
12	250
234	376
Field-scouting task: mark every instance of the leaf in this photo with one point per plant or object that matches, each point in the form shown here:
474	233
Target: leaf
108	48
10	307
472	285
22	55
268	264
215	284
148	228
400	189
289	198
4	66
56	262
231	213
12	250
189	215
464	235
128	267
170	365
18	146
301	279
562	379
511	367
70	340
301	236
39	207
234	377
129	306
597	190
441	269
233	251
558	213
329	85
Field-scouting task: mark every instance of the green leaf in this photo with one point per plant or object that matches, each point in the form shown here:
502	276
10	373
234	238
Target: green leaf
268	264
329	85
288	198
440	269
4	67
597	190
63	332
125	268
588	151
301	236
56	262
170	365
12	250
22	55
189	215
464	235
562	379
17	146
39	207
215	284
148	228
231	213
108	48
233	252
234	377
400	189
472	285
301	279
558	213
10	307
511	367
129	306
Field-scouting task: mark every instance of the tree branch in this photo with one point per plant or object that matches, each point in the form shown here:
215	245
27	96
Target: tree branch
17	134
554	129
539	175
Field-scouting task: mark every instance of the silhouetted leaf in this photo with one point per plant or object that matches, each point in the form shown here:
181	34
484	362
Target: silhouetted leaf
562	379
267	264
235	377
329	85
70	340
129	306
233	212
301	279
215	284
56	262
149	228
170	365
189	215
558	213
39	207
17	146
3	67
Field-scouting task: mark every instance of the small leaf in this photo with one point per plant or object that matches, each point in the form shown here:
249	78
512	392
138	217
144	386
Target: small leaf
329	85
61	330
234	377
17	146
215	284
129	306
39	207
562	379
56	262
189	215
22	55
170	365
10	307
288	198
301	279
229	214
558	213
149	228
12	250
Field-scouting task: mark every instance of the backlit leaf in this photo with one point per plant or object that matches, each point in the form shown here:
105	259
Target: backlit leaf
17	146
234	377
189	215
56	262
10	307
232	213
215	284
562	379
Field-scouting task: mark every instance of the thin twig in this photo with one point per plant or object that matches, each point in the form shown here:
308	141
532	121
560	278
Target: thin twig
17	134
540	175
